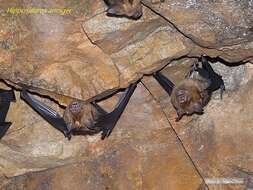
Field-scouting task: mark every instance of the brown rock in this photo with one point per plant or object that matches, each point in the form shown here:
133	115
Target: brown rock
143	154
85	53
219	141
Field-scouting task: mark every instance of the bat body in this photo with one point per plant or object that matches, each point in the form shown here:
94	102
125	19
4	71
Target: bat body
127	8
81	118
6	96
194	92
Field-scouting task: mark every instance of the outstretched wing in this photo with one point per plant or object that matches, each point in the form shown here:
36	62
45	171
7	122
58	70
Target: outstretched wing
164	82
50	115
6	96
108	121
4	126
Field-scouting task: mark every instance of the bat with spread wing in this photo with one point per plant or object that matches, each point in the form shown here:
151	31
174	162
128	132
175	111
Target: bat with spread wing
81	118
194	92
6	97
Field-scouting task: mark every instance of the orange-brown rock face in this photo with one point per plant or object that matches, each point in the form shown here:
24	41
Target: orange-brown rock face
133	156
219	140
84	54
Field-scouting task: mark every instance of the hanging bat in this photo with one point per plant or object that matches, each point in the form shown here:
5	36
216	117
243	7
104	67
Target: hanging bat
6	96
81	118
126	8
194	92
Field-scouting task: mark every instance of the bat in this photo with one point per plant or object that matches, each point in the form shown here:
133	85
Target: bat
81	118
6	96
108	121
194	92
124	8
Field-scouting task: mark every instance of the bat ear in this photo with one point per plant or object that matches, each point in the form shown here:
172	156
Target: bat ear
183	96
198	108
114	10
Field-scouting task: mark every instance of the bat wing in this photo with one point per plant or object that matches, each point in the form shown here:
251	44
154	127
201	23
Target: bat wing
216	79
108	121
4	126
4	107
99	109
164	82
50	115
7	96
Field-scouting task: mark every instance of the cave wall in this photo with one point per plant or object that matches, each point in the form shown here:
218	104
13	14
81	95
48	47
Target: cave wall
87	55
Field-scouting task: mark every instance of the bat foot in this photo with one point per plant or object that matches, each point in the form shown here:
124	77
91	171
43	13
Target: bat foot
179	117
222	89
67	134
106	133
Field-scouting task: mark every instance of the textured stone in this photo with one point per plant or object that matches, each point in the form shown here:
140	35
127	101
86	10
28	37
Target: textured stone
221	25
86	54
51	52
219	141
142	154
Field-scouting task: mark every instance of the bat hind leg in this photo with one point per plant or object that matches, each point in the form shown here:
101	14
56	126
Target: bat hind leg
222	89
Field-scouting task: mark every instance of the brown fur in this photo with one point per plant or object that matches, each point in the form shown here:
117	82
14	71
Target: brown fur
127	8
189	97
79	115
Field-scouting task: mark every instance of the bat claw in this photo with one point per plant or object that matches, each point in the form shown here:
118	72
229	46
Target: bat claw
106	133
222	89
67	134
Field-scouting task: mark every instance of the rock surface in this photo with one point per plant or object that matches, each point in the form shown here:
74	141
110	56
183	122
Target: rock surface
219	140
85	53
123	160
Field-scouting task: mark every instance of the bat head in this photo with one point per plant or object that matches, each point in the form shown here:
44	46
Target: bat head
75	107
128	8
187	99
